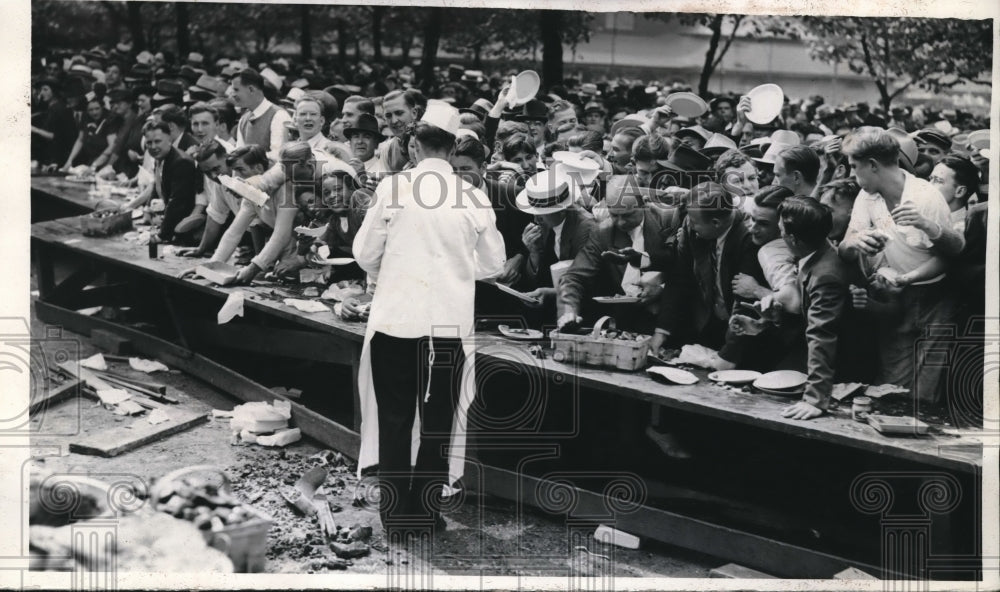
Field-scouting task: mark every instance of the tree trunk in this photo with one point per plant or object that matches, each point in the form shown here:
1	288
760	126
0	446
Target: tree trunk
432	36
135	25
405	46
342	44
550	28
713	45
183	35
306	38
377	13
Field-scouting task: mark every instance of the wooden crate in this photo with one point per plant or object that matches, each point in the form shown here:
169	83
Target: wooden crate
594	350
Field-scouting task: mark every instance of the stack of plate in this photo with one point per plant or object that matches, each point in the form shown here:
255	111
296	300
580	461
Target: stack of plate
786	383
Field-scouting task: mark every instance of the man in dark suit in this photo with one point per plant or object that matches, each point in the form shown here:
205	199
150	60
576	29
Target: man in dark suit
713	246
823	283
176	179
622	257
175	118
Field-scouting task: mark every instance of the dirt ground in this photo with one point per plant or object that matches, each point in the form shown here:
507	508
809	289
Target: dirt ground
485	536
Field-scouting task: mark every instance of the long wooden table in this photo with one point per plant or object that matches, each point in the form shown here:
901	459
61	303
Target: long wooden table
53	196
74	272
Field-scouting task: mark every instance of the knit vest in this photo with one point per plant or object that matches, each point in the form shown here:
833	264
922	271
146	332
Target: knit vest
258	131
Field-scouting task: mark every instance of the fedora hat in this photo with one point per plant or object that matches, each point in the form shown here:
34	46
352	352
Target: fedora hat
686	159
630	121
783	136
367	124
546	192
694	130
771	153
168	88
714	103
294	94
717	144
907	147
209	84
480	108
533	110
196	59
139	73
441	115
120	95
594	107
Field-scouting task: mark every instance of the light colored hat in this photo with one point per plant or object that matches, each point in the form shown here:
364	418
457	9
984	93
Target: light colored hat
463	132
581	170
718	143
944	126
294	94
772	152
786	137
144	57
907	145
272	77
332	166
442	115
546	192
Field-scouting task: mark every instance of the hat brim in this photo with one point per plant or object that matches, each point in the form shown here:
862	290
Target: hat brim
354	130
526	118
521	201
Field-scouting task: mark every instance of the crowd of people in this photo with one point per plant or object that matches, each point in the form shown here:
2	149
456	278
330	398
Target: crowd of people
826	240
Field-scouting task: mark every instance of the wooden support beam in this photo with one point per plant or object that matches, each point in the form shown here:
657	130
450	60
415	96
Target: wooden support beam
290	343
771	556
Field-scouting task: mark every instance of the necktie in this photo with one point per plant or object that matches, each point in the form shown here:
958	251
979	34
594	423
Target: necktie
718	301
158	179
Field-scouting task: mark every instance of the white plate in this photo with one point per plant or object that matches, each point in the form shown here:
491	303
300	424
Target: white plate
674	375
521	334
217	272
781	393
616	299
734	376
687	104
524	87
781	380
313	232
766	102
516	293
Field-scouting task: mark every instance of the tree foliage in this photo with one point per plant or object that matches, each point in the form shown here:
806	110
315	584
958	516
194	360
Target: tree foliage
899	53
724	30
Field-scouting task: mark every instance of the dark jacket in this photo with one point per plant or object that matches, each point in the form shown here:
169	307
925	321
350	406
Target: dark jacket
688	293
181	181
511	221
591	275
823	283
576	231
129	138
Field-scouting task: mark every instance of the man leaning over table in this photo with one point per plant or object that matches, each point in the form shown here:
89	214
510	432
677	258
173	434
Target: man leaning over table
823	283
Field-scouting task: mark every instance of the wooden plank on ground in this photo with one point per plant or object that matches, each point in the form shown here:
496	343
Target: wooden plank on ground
738	572
110	342
54	395
315	425
121	439
75	369
853	573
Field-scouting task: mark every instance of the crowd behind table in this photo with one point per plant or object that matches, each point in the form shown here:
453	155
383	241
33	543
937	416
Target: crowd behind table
825	240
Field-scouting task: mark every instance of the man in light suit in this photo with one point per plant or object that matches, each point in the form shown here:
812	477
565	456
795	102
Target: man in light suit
823	283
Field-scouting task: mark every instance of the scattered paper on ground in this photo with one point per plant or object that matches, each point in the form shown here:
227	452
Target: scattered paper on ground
158	416
95	362
113	396
146	366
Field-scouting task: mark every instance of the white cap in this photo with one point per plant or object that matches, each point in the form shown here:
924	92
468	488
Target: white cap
442	115
272	77
294	94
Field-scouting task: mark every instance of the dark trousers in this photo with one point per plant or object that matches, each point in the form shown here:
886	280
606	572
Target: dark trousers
400	375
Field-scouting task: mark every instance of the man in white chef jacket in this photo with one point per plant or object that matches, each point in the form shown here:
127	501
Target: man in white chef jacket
426	240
